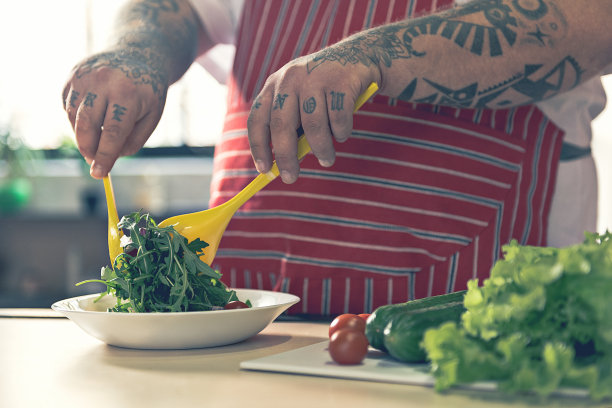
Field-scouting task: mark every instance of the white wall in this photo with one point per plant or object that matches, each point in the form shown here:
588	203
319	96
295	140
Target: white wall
602	151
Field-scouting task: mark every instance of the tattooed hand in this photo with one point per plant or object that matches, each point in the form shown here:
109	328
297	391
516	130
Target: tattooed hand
114	101
319	100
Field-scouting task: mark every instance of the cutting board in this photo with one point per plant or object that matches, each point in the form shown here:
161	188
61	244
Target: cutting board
377	366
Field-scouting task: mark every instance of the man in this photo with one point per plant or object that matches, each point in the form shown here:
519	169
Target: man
450	161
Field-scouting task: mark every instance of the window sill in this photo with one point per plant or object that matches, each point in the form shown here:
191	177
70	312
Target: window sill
62	187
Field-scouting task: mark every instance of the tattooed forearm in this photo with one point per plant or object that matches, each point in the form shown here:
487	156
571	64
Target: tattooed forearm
150	11
486	53
171	22
532	85
484	28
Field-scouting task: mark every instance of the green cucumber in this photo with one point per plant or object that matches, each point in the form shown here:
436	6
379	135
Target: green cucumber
404	332
382	315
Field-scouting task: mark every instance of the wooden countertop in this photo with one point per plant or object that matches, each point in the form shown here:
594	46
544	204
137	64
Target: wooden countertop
51	362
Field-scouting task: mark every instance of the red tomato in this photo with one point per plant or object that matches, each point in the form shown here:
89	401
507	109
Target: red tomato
236	304
348	346
364	316
347	321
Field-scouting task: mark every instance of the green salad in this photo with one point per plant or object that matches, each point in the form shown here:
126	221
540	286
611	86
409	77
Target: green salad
159	271
542	320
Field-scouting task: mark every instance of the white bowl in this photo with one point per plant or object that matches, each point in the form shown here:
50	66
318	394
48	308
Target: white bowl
175	330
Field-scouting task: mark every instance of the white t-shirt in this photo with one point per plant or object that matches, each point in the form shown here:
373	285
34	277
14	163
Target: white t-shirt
574	206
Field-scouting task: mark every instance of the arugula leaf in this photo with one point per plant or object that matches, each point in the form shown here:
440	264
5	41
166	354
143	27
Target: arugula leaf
159	271
542	320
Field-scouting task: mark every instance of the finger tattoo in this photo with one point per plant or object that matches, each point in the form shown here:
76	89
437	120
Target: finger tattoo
118	112
73	97
337	101
89	99
279	101
309	105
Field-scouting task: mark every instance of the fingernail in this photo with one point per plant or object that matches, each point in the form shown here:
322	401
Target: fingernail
341	139
88	160
96	171
259	165
286	177
326	163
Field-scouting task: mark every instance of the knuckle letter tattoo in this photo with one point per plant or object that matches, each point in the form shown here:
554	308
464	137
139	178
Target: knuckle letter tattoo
89	99
309	105
73	97
337	101
279	101
118	112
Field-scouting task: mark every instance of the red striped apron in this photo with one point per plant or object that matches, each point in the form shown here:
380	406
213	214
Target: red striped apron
420	200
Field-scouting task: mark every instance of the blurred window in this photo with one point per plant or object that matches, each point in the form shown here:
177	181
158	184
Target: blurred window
42	40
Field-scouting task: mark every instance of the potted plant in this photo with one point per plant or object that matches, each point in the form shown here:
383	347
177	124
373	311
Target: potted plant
16	161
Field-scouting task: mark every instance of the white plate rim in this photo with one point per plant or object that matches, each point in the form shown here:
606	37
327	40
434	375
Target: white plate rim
59	306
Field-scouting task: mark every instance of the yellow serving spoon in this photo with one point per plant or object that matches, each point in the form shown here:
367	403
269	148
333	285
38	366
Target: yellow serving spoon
114	234
209	225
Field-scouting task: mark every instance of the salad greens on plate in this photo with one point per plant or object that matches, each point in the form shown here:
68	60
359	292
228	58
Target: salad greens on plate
542	320
159	271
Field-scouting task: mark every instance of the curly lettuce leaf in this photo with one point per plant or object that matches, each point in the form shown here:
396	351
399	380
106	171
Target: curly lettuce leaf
542	320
